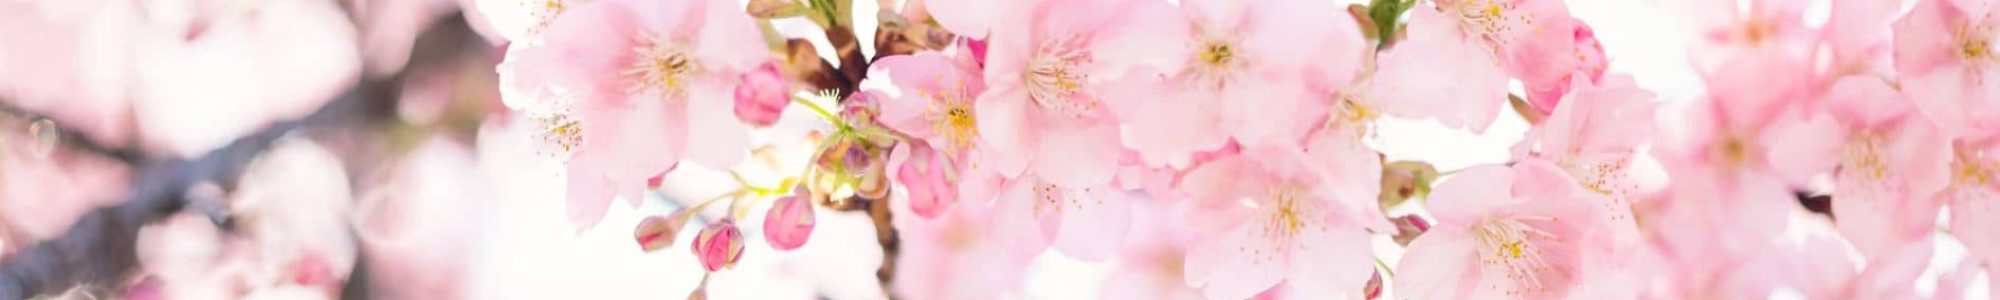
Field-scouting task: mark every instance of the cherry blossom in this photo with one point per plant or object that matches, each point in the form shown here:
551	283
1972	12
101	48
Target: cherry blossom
1520	232
1594	135
1946	53
1890	162
624	89
1487	41
1261	218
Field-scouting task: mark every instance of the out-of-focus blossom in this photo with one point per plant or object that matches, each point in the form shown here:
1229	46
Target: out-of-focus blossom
1086	223
525	21
194	60
1520	232
1821	268
955	256
1545	94
1263	217
420	221
624	89
719	245
1889	162
762	95
389	29
789	223
41	194
185	257
78	69
1751	53
1152	260
1948	54
1974	186
297	204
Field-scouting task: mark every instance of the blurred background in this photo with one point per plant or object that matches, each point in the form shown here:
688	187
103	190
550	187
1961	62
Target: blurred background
358	149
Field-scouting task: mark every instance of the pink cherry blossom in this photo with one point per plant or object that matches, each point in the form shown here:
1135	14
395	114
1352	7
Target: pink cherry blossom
719	245
1486	41
926	175
1888	163
1238	70
1263	217
1975	183
951	162
1948	53
1590	64
1594	135
1503	233
955	256
624	89
762	96
1086	223
524	21
1043	111
789	223
1752	53
1152	261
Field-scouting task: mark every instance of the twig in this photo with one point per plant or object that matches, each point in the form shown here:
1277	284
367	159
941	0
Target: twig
76	140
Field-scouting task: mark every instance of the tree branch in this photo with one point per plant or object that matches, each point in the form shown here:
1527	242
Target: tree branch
76	140
99	248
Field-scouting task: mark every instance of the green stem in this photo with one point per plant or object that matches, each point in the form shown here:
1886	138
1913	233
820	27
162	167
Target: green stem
1386	270
823	113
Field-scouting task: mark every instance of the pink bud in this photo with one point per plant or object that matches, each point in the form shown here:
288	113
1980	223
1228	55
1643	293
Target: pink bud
719	245
1409	227
924	175
656	232
789	224
762	95
1374	288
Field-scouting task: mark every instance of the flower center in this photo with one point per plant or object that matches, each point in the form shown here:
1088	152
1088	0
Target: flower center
1976	45
1606	178
1492	20
662	66
1055	75
1732	151
1216	62
1507	243
560	136
1349	113
951	115
1052	199
1969	169
1292	211
544	12
1863	156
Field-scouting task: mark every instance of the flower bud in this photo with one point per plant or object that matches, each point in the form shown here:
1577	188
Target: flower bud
762	95
1373	289
789	223
924	175
658	232
719	245
1409	227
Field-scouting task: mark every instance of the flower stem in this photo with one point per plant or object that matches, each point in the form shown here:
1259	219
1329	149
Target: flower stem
823	113
1386	270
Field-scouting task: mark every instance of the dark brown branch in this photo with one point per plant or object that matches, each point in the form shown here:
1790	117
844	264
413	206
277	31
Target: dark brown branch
99	248
76	140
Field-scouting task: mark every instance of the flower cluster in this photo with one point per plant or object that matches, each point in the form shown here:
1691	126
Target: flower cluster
1221	149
